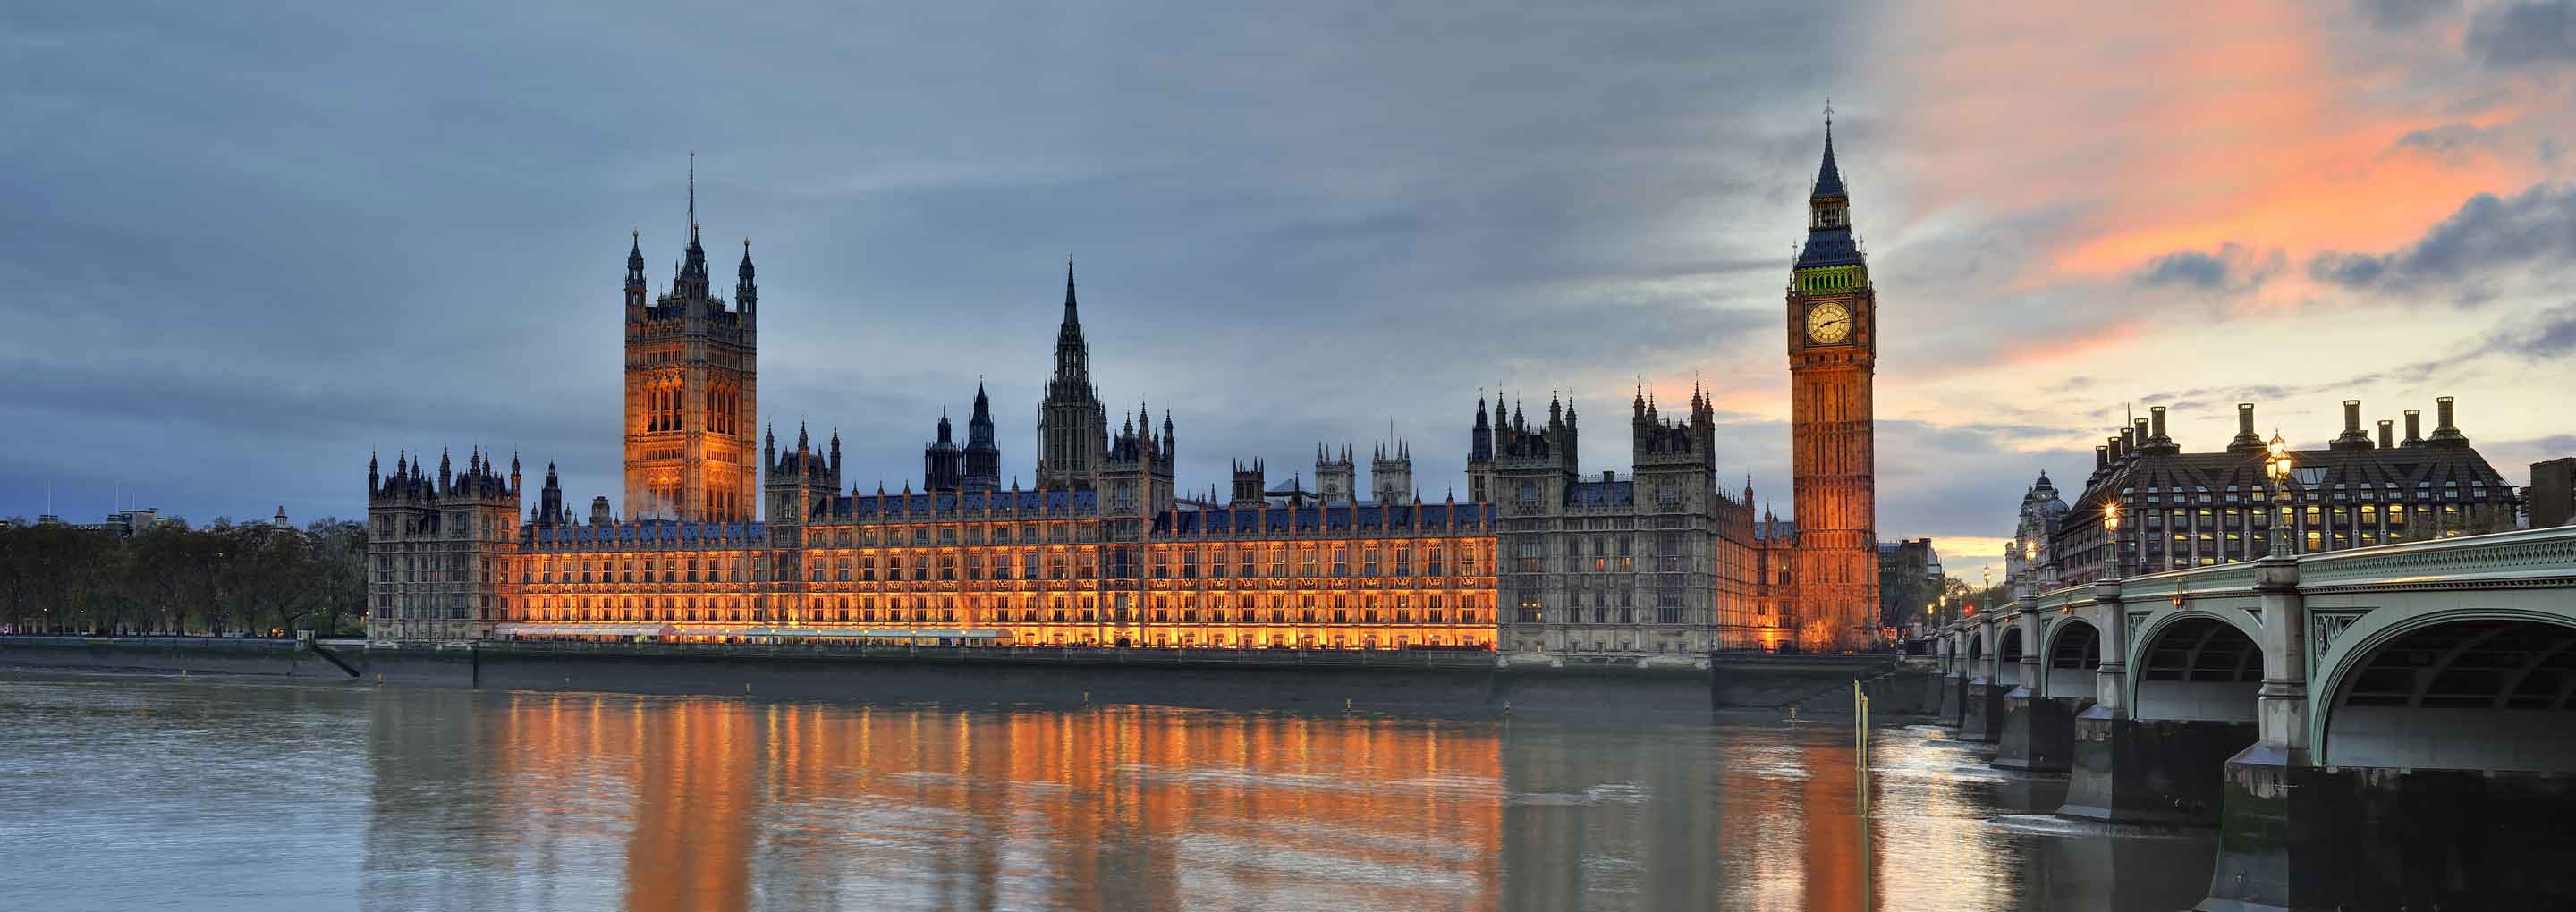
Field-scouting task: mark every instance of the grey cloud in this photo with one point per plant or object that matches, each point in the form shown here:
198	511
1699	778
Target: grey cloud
2487	240
2189	267
2232	268
2446	141
2520	34
2396	15
2548	335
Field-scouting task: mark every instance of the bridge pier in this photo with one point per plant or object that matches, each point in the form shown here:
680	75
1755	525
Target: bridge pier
1982	703
2161	771
2297	837
2037	733
1954	699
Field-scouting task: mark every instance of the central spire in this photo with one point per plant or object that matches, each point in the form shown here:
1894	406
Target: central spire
1829	179
692	281
1070	317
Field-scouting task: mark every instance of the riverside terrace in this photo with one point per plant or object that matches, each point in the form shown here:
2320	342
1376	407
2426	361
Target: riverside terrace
2362	725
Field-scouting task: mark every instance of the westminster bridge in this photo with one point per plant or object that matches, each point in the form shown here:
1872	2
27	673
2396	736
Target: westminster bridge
2367	728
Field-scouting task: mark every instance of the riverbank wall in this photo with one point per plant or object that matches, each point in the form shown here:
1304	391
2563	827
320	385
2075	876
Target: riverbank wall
1417	682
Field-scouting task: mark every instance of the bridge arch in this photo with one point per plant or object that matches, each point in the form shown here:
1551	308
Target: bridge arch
2008	656
1976	651
2195	666
2491	690
2074	654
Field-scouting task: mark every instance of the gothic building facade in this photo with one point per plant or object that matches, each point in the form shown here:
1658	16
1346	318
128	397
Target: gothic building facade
1659	563
728	539
1102	552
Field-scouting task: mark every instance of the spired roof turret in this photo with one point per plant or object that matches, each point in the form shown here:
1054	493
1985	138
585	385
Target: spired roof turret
1829	233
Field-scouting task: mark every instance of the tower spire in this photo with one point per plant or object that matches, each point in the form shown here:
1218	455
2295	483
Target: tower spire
1829	179
1070	317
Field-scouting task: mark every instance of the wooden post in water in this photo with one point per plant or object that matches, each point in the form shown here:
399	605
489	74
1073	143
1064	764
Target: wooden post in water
1860	759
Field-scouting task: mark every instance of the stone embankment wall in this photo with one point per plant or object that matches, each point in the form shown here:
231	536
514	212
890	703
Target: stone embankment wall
1432	683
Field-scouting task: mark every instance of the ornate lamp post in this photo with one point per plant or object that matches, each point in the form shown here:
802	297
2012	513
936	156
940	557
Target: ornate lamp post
2276	466
2111	530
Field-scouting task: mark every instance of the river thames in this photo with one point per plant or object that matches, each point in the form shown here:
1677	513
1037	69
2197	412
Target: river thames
129	793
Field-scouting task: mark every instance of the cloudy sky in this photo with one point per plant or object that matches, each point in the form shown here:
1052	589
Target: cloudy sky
247	244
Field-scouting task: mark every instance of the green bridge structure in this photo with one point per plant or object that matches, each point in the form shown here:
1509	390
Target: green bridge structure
2389	727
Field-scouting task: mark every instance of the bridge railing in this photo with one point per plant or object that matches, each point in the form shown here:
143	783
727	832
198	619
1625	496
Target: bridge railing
2525	554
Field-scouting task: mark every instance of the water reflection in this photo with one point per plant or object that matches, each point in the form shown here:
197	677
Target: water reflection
460	799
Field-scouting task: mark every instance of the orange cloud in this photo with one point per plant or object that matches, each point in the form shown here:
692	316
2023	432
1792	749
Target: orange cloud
2155	128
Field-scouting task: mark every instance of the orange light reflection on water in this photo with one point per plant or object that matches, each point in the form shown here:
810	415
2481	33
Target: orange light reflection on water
717	803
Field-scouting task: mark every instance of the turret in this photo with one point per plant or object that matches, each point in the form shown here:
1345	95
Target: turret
1336	475
943	465
983	458
635	287
746	293
1250	480
550	510
1391	473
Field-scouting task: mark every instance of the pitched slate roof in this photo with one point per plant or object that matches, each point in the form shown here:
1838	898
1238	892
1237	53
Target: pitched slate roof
2229	477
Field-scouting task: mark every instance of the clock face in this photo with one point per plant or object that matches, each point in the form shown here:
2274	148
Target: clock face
1829	323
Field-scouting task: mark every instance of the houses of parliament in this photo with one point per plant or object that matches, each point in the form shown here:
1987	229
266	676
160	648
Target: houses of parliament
733	534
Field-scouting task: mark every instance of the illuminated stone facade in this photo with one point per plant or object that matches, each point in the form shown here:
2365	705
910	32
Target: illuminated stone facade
692	395
1832	311
1102	554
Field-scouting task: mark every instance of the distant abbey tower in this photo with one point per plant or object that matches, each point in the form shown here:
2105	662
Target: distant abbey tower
691	397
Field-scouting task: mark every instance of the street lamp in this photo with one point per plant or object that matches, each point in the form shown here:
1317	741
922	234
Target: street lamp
2276	466
2111	529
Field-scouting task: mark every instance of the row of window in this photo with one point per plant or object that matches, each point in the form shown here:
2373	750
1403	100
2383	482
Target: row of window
972	611
1602	606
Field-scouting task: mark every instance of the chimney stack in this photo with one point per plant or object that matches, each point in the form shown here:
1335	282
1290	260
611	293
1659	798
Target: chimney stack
2101	458
2385	435
2157	422
2353	437
2414	427
2246	440
2126	446
2445	432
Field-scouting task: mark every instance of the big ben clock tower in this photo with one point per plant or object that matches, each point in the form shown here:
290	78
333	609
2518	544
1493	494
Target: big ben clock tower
1833	350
